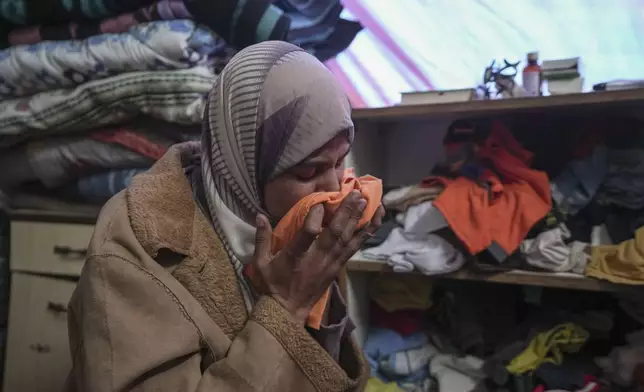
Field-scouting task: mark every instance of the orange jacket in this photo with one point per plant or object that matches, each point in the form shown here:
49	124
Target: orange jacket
517	198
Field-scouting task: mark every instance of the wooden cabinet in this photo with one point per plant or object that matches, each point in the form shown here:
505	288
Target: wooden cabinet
49	248
46	260
37	356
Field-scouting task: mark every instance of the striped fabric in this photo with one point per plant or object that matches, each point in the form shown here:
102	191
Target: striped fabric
272	106
174	96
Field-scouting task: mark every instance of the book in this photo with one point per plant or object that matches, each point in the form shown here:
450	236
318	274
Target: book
560	74
560	65
437	96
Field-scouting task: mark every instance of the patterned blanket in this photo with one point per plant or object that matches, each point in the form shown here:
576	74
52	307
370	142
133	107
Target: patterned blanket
174	96
166	45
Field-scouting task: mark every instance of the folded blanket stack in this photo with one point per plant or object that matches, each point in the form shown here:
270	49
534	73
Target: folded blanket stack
91	96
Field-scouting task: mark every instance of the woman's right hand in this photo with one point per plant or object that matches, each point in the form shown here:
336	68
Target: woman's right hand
299	274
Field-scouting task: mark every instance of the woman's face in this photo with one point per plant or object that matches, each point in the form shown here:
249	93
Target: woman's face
321	171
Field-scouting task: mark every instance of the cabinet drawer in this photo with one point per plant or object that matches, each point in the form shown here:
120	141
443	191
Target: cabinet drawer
49	248
38	357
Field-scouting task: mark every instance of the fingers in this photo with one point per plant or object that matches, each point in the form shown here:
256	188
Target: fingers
343	225
263	238
361	236
378	216
310	230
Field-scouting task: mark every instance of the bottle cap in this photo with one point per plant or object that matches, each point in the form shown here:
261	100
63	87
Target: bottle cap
533	56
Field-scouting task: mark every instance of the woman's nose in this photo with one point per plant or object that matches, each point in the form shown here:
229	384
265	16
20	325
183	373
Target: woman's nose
330	182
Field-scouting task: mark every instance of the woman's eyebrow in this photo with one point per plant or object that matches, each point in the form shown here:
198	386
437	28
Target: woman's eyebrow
313	161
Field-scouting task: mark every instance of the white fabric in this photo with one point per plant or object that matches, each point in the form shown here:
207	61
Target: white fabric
415	247
550	252
423	218
407	362
578	257
456	374
599	236
395	195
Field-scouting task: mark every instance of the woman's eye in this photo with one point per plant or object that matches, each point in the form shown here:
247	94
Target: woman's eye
305	173
339	163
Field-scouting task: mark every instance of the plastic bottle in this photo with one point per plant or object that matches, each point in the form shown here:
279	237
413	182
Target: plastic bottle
532	76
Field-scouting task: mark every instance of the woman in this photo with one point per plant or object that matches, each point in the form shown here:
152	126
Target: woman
164	304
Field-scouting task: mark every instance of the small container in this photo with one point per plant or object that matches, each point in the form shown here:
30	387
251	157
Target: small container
532	75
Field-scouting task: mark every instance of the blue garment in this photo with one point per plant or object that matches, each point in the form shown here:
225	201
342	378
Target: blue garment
576	186
102	186
382	342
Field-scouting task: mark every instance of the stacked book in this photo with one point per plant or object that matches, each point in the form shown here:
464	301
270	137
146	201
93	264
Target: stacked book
563	76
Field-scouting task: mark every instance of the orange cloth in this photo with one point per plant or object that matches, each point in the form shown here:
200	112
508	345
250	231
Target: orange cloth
518	196
286	229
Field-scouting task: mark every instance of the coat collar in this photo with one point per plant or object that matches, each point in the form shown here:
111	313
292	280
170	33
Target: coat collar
160	203
164	215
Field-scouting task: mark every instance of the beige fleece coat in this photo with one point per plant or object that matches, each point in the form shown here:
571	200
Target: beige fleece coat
158	307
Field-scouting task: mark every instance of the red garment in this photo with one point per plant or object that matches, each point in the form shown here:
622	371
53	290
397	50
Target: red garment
518	196
405	322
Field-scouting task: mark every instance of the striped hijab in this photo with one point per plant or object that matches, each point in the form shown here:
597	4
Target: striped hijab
271	107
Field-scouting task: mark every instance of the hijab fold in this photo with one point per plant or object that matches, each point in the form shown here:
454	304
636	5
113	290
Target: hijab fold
271	107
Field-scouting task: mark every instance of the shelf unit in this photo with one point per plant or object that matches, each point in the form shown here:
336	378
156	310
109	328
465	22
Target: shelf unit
584	101
560	280
400	144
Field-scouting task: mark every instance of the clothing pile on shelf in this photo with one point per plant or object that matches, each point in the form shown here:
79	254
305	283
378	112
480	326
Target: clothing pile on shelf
505	200
92	94
478	337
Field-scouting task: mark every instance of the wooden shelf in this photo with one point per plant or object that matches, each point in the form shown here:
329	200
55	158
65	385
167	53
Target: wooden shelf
516	277
82	217
473	108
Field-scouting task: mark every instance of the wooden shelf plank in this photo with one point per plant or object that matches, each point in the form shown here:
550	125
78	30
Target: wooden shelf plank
473	108
516	277
55	216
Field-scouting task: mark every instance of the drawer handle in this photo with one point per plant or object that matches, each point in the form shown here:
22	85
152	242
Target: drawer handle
56	308
40	348
67	251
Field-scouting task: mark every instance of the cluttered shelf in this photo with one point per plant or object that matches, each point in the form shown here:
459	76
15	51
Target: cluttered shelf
496	106
516	277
